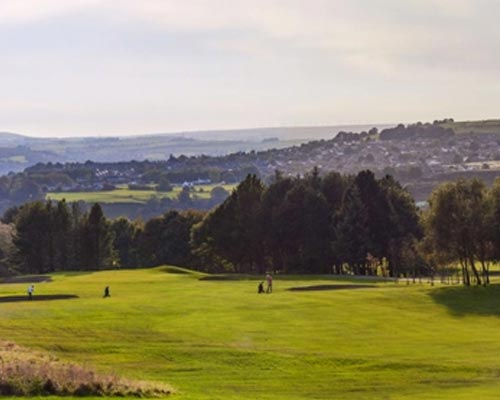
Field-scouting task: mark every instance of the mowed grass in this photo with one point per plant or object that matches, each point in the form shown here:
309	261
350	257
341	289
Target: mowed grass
124	195
221	340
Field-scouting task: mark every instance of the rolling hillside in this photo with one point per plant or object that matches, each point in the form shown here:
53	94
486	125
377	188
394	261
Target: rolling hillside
219	339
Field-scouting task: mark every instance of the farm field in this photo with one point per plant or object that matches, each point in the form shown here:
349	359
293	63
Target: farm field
124	195
482	126
219	339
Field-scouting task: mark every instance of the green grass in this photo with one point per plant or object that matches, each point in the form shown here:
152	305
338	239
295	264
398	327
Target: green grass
220	340
124	195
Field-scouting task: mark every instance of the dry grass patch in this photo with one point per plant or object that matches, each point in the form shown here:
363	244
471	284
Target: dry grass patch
27	373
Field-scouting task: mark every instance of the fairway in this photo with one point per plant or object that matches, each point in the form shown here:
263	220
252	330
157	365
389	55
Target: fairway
219	339
124	195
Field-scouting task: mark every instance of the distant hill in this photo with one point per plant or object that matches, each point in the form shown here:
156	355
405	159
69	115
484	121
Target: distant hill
12	139
490	126
18	152
419	155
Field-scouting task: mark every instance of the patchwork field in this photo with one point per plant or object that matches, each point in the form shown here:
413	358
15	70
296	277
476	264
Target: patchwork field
219	339
124	195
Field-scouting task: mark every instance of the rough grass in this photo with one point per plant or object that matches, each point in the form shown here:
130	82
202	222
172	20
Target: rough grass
484	126
221	340
25	372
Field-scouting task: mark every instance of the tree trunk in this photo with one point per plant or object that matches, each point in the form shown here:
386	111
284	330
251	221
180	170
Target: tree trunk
474	270
465	272
486	272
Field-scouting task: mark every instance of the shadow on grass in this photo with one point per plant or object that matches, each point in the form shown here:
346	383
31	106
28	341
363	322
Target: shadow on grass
296	277
27	279
463	300
75	273
43	297
329	287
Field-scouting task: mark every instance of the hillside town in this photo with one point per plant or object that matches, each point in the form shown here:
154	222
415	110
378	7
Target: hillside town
419	156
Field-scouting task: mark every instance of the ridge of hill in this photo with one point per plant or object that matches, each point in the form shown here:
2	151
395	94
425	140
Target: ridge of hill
419	155
18	152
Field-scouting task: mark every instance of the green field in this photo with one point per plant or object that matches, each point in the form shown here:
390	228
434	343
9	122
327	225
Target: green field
484	126
123	195
220	340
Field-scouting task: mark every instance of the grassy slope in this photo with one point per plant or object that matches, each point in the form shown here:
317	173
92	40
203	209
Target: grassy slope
484	126
219	339
122	195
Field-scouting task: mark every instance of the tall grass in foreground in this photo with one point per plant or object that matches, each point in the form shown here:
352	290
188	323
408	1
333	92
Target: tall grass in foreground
27	373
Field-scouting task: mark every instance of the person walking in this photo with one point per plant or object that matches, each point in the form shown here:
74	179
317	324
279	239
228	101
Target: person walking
31	289
106	292
269	280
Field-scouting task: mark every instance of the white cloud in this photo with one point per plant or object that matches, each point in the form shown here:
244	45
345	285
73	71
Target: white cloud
28	11
305	61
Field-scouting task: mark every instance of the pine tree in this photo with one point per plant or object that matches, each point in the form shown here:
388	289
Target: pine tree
98	241
352	240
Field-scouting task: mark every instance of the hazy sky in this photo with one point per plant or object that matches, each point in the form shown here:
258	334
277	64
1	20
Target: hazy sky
95	67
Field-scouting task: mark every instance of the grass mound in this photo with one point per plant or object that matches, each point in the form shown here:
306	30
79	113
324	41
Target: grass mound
169	269
27	373
230	277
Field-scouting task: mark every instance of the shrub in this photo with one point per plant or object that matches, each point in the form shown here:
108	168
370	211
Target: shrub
27	373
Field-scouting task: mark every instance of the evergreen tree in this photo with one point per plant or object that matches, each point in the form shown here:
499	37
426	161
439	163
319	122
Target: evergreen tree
98	241
352	236
62	238
125	234
75	240
31	239
232	232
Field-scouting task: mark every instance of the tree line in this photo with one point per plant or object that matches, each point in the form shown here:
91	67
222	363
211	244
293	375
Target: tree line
317	224
462	229
56	236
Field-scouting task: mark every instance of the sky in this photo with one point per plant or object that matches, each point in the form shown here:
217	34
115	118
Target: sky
121	67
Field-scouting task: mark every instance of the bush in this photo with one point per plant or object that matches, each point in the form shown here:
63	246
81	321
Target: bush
26	373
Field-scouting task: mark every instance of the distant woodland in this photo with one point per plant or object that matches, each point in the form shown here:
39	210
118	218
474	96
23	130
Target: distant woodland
316	224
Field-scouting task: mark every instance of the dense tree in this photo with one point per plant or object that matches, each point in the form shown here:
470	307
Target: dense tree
458	223
166	239
125	236
31	239
61	236
98	252
351	234
6	248
378	222
219	194
403	226
271	218
306	225
184	196
233	231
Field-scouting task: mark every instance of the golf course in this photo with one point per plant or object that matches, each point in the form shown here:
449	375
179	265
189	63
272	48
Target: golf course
214	337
